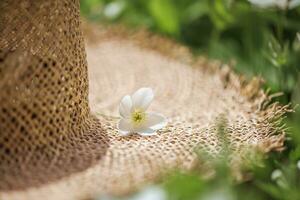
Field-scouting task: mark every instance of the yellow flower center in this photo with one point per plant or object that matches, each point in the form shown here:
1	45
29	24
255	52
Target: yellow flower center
138	116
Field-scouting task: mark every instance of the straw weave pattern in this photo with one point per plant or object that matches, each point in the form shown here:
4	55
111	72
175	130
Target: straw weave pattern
58	136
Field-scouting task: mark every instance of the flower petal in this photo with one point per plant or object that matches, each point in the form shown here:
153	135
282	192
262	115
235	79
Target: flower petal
142	98
155	121
146	132
124	127
125	106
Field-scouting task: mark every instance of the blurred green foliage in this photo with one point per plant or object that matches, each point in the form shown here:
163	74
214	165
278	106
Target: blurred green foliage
259	41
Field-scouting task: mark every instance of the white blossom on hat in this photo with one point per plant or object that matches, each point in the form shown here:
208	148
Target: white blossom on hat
135	119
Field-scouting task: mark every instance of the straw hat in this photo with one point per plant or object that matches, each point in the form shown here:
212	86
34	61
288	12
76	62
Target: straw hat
58	118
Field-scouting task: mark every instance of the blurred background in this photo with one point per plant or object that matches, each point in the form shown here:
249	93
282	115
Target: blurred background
255	37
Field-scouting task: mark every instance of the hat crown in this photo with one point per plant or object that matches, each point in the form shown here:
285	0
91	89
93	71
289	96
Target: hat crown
43	80
43	69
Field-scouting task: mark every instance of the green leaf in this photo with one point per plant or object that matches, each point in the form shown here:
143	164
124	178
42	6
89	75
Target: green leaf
271	189
278	54
220	15
87	6
165	15
184	186
295	154
196	10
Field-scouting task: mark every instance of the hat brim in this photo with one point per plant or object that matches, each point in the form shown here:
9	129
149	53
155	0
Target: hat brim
192	92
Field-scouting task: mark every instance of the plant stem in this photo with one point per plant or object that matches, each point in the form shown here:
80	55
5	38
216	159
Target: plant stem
281	24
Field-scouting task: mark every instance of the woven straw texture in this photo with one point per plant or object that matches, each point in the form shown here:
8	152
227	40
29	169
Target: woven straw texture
58	136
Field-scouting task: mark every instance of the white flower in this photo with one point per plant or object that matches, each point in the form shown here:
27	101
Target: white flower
218	194
148	193
282	4
298	164
276	174
135	119
151	193
113	9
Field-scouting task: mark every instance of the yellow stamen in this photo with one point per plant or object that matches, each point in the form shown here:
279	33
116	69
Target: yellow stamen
138	116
